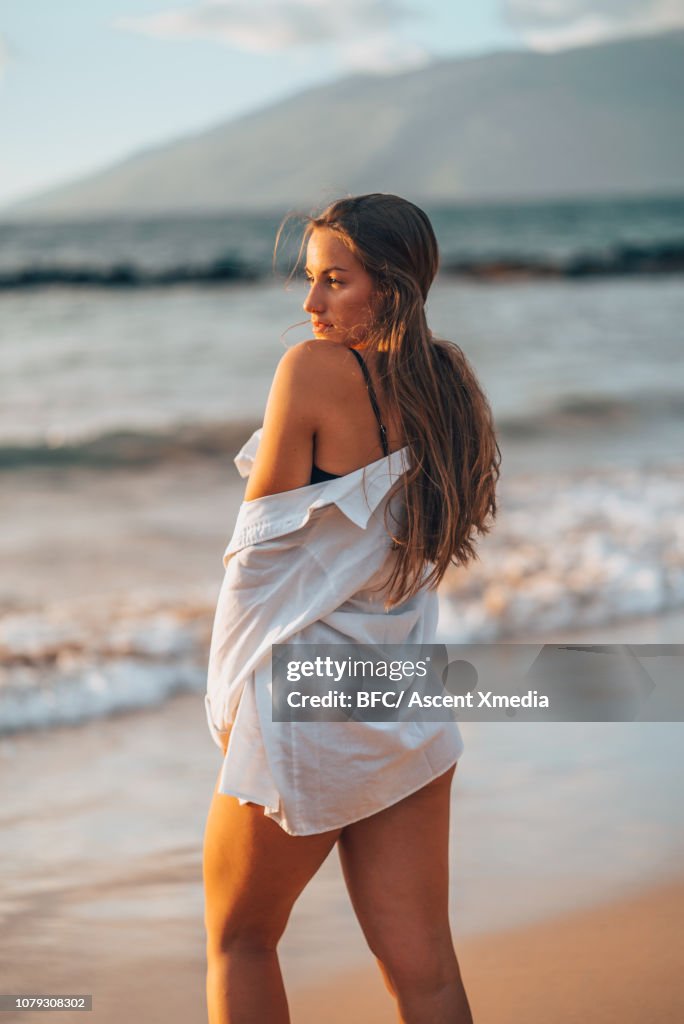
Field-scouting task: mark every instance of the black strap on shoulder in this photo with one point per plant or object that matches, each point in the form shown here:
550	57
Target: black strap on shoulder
374	401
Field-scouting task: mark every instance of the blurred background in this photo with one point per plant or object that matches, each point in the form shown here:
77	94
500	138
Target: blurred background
149	155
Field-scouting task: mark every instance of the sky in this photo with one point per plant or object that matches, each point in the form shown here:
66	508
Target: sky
85	83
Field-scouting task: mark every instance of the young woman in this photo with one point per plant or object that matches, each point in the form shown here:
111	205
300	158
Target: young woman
376	465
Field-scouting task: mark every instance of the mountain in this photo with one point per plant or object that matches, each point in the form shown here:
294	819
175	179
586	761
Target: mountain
594	120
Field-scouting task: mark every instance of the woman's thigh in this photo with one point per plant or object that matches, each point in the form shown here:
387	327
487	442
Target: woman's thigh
396	866
253	872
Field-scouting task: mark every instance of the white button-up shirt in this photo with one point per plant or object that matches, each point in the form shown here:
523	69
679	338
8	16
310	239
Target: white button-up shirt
300	568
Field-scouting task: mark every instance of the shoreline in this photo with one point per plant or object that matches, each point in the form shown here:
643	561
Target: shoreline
616	961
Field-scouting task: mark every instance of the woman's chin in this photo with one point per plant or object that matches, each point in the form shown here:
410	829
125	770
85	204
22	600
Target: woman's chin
327	336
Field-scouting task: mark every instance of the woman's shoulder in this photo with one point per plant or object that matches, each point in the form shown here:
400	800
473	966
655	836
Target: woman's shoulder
317	364
318	352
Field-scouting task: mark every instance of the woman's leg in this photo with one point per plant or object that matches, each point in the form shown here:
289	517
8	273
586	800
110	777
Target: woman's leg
396	865
253	874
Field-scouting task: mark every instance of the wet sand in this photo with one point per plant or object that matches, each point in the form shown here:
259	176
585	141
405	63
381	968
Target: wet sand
618	962
102	831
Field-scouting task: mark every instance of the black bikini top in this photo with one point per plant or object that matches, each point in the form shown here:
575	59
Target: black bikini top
317	475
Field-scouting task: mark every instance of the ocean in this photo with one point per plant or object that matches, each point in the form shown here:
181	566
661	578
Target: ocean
136	358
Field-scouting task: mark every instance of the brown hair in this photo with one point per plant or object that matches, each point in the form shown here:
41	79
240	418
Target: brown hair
449	490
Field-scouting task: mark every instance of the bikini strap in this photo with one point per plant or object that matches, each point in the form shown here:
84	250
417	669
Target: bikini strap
374	401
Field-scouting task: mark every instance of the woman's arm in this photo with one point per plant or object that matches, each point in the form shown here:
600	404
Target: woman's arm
283	461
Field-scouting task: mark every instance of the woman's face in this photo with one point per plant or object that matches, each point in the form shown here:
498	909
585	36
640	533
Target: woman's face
340	290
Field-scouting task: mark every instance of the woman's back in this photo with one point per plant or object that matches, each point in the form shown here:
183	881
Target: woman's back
319	412
349	433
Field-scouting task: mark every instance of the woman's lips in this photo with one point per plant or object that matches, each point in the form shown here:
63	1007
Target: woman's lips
318	326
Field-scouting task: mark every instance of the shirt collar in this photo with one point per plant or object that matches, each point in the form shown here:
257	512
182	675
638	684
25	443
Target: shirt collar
356	494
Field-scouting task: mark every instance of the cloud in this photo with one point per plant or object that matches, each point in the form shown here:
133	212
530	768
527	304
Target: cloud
557	24
363	31
383	54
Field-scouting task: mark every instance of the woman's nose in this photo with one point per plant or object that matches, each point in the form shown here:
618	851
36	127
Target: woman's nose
312	303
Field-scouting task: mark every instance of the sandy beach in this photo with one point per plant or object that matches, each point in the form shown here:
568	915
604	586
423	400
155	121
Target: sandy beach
617	962
135	941
102	833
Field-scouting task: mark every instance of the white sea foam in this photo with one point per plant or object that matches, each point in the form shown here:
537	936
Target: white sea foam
570	551
67	664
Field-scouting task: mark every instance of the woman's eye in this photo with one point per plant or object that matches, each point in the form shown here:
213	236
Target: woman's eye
331	280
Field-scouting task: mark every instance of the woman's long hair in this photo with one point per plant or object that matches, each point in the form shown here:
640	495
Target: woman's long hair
449	491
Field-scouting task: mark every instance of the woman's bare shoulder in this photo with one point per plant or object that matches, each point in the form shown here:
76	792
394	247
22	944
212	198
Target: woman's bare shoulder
319	351
319	364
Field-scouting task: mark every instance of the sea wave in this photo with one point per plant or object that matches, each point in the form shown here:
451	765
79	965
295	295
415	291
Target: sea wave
78	660
127	275
569	552
129	447
597	412
573	551
617	260
222	438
